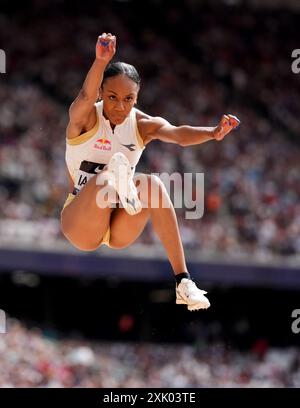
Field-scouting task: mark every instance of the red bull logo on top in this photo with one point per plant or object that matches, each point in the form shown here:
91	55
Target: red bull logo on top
103	144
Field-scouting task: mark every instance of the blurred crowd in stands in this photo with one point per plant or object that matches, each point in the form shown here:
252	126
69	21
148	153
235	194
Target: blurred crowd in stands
30	359
196	64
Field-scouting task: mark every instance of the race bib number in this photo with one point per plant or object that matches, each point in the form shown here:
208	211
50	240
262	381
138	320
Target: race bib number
86	171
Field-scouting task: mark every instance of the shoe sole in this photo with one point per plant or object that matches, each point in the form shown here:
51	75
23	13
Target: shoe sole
130	201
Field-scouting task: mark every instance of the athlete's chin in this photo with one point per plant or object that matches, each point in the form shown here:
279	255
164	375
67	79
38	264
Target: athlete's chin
117	120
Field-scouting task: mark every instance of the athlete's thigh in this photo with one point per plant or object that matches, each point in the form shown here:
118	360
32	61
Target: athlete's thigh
83	222
125	228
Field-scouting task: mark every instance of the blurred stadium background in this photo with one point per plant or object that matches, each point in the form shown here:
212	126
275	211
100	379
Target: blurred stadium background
108	318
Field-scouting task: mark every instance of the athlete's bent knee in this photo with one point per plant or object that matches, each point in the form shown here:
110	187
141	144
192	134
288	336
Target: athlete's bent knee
115	244
83	245
71	235
86	247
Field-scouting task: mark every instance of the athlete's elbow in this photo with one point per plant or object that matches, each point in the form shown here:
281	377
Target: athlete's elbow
182	142
181	137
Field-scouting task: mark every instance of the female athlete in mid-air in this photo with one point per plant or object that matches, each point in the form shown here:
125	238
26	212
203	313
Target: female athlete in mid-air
106	137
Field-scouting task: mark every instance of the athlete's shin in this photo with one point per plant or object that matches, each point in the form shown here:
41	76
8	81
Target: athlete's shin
107	195
165	225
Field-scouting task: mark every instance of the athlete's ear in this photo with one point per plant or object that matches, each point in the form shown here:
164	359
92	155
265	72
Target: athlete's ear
99	94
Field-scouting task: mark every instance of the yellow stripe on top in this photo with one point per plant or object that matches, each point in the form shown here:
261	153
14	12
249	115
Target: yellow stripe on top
85	136
139	137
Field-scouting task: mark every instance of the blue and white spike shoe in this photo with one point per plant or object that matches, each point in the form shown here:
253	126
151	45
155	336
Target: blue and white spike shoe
119	176
188	294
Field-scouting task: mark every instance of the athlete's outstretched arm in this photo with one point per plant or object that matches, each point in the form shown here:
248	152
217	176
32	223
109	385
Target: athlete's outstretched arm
156	128
82	106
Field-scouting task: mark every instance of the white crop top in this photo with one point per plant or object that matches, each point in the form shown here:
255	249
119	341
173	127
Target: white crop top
88	153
